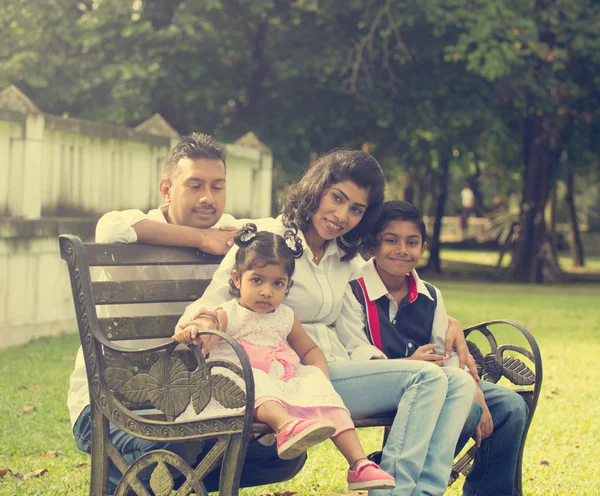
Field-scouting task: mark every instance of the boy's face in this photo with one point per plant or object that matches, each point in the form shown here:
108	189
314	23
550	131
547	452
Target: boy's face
399	248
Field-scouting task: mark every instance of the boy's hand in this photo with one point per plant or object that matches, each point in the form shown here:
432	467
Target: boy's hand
425	352
455	338
486	425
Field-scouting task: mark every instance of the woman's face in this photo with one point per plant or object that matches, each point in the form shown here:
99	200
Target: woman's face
341	208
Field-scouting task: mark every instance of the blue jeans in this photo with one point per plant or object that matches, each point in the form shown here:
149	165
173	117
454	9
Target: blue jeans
495	461
261	465
431	404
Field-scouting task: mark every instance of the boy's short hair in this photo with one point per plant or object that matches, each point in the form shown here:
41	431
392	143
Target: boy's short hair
396	210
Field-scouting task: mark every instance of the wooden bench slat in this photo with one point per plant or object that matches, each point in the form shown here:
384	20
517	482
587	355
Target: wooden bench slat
118	328
124	292
130	254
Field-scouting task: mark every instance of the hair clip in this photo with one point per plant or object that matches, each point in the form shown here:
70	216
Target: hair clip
247	236
291	244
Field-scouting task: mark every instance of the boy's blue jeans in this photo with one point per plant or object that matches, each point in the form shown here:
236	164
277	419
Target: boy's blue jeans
261	465
431	404
495	461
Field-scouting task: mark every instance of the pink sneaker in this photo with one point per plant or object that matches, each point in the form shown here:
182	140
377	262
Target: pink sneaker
375	478
301	435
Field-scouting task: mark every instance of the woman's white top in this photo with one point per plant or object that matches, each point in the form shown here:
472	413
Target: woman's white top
316	297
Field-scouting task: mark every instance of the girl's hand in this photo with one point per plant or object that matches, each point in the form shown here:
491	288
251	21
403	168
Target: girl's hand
425	352
189	335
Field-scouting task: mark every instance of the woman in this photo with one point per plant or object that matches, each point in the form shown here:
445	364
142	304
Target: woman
331	207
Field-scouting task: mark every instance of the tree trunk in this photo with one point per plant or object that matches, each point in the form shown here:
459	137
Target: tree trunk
551	217
576	244
534	257
434	262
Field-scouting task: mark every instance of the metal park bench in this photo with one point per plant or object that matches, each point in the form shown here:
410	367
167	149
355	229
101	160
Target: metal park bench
161	379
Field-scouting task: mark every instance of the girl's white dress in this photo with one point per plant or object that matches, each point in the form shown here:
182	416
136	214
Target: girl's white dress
278	375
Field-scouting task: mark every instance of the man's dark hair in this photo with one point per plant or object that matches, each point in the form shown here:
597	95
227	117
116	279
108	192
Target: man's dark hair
193	146
396	210
303	198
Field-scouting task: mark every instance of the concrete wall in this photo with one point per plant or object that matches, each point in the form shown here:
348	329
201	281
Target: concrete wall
59	175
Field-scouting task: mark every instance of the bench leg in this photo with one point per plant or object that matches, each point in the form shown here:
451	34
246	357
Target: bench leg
100	436
231	466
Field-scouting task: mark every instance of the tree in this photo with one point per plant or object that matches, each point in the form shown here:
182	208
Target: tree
539	57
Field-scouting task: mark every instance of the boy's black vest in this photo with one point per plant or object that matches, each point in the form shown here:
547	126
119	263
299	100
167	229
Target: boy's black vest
411	327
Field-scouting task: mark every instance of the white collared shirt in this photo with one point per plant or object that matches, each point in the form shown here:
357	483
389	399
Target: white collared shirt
376	289
317	295
117	227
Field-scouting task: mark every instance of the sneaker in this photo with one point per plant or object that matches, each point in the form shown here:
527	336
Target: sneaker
375	478
301	435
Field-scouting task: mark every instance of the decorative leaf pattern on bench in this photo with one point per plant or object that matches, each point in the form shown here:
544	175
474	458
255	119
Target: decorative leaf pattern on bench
227	392
477	355
161	481
116	377
201	382
517	372
492	370
493	366
136	389
169	386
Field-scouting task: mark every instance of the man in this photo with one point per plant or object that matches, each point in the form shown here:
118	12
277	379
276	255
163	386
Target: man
193	187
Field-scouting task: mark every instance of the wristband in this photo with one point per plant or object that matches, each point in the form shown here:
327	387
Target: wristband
205	312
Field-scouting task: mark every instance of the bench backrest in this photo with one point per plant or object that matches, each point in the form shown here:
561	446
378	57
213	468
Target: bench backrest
145	291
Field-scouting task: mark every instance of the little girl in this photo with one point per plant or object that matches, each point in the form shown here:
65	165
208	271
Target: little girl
293	394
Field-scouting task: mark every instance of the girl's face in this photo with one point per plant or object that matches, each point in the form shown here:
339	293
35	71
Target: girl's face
262	289
341	208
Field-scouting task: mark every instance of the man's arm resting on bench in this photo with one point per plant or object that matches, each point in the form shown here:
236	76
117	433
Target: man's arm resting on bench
131	226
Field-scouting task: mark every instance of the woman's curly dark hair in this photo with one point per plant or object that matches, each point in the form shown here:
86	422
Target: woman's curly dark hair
262	248
302	198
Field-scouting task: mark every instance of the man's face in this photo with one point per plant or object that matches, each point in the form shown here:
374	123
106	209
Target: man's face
196	194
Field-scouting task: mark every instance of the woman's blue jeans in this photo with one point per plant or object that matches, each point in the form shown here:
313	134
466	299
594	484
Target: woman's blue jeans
431	403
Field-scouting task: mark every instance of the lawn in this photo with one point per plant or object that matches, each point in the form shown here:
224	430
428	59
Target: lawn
559	455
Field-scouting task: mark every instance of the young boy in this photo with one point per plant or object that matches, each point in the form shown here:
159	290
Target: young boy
405	318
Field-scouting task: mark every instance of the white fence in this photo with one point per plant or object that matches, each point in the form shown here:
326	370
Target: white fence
59	174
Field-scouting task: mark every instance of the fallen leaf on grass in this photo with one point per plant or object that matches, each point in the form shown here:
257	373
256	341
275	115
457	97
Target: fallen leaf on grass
28	409
3	472
52	453
544	462
83	465
40	472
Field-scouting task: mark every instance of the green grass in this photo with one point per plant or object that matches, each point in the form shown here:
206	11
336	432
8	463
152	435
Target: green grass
592	263
559	455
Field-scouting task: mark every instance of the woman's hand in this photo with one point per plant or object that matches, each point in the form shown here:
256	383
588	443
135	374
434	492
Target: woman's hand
425	353
455	338
486	424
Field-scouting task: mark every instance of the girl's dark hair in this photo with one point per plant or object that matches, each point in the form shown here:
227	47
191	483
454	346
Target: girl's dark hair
262	248
396	210
302	198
